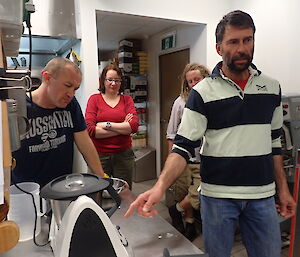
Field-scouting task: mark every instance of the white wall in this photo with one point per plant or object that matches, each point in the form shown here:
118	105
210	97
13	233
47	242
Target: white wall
198	11
277	39
79	164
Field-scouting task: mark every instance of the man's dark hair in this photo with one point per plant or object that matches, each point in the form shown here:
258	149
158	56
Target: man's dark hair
236	19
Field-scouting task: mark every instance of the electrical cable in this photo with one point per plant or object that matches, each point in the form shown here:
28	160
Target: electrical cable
28	25
30	47
35	214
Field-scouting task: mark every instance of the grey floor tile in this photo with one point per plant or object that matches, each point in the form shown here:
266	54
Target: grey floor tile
141	187
161	207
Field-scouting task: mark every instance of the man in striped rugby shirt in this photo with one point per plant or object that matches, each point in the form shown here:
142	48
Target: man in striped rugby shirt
238	111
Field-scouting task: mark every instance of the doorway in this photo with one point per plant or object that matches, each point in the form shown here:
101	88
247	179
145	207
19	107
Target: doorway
113	27
170	68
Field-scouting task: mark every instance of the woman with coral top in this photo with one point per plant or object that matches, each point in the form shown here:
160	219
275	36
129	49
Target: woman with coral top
111	118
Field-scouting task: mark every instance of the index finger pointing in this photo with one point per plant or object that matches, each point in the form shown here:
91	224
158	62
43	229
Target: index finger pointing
130	210
134	205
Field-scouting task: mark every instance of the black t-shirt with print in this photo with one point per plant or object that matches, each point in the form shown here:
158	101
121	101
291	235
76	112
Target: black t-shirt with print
47	150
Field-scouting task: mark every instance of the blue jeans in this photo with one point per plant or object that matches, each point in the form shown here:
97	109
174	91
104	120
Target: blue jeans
258	222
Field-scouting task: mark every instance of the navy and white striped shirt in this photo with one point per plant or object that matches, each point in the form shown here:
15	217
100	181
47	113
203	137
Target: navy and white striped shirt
241	131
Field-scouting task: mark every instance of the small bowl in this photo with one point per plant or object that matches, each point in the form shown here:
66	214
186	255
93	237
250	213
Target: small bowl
118	185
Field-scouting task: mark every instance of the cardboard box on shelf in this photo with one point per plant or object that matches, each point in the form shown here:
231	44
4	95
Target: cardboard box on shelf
140	92
137	80
139	141
127	67
125	49
125	60
134	44
143	58
141	53
125	54
125	42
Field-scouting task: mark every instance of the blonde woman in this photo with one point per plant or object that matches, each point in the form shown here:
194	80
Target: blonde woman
185	187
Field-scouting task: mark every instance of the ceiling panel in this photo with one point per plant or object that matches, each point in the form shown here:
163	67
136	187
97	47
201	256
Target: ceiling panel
46	45
113	27
113	31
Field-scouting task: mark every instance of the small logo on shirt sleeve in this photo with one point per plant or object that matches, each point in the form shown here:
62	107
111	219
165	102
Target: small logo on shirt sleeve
261	88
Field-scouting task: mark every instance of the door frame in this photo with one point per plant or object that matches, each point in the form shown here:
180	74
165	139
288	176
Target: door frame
168	51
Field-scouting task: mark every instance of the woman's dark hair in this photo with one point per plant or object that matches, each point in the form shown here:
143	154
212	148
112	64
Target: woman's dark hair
114	67
236	18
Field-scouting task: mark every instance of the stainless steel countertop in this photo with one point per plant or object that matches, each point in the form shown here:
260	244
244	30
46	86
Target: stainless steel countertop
147	237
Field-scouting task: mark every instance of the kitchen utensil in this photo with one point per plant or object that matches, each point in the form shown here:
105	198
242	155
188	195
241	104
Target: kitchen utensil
12	108
3	210
16	124
9	232
67	188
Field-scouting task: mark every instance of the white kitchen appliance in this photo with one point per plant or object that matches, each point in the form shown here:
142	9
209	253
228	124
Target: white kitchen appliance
86	231
83	228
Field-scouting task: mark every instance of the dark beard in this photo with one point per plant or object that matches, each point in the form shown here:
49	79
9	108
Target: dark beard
237	69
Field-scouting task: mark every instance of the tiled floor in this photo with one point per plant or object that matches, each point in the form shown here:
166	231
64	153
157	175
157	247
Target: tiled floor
238	248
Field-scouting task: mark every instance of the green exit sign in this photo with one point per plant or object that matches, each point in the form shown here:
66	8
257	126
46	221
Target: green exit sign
168	41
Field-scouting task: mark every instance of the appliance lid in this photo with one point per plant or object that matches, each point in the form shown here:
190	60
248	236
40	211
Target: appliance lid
70	186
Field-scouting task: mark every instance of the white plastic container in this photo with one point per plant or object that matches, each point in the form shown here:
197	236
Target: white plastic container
21	209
